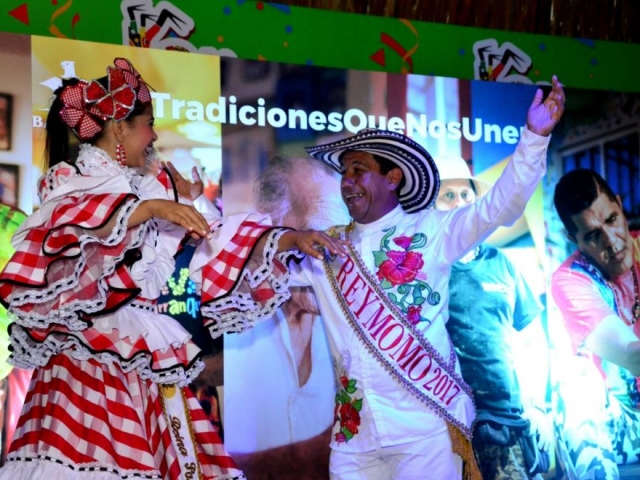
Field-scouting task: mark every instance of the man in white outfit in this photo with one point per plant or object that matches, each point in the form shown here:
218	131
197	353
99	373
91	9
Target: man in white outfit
402	410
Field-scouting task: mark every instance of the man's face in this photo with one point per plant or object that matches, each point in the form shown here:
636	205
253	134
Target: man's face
368	194
455	193
603	236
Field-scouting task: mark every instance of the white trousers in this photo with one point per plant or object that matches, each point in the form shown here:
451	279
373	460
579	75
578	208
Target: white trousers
430	459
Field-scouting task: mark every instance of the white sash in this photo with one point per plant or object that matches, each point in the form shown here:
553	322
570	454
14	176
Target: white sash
175	409
403	351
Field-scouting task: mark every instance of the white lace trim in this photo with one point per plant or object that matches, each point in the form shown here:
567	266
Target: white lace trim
258	275
29	354
157	262
247	312
49	467
67	315
160	332
237	311
96	162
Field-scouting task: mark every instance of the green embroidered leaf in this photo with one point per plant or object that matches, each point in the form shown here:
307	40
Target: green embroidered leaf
357	404
393	297
416	290
347	433
384	243
402	289
418	300
434	298
351	386
419	240
379	257
386	284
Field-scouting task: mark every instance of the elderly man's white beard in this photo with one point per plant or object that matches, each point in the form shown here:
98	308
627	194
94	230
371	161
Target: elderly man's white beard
322	194
328	211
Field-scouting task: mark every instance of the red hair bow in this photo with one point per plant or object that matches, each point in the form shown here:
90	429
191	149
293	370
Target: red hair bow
134	79
116	101
86	102
74	113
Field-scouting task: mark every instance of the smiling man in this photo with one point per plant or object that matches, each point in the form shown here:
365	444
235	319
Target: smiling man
402	410
596	290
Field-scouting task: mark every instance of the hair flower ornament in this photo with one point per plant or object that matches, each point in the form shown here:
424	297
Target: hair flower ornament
114	102
74	113
133	78
88	104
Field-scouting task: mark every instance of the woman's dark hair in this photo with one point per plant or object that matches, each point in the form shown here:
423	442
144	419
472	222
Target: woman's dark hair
62	142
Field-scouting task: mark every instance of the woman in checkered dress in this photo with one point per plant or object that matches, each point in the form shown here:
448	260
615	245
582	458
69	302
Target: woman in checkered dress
107	399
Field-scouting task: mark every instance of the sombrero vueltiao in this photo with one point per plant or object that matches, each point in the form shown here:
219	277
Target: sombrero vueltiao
418	168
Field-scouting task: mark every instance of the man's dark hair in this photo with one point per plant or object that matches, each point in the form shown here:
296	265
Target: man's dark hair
385	164
576	191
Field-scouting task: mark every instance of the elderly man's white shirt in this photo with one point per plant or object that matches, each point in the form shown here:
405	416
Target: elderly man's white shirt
264	403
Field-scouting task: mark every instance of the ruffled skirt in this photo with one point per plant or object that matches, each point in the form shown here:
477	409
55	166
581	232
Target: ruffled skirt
83	419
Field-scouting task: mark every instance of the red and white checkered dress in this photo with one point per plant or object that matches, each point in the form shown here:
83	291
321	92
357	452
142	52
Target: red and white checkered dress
80	288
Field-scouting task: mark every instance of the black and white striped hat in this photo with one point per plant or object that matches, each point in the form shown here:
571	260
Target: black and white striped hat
421	180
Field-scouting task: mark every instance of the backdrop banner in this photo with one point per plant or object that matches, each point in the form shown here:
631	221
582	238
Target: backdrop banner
272	390
259	30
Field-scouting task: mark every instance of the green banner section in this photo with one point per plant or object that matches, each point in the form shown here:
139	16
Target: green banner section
279	33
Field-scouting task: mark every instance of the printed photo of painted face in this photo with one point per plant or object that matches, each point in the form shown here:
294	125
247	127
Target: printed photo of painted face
602	234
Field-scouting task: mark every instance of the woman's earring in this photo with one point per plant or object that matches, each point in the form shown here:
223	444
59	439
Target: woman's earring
121	155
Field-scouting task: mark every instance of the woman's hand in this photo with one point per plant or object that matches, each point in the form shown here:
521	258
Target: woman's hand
184	215
312	242
186	189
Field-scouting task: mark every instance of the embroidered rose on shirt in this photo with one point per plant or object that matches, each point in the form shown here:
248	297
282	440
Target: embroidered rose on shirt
347	410
413	315
400	272
401	267
403	241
